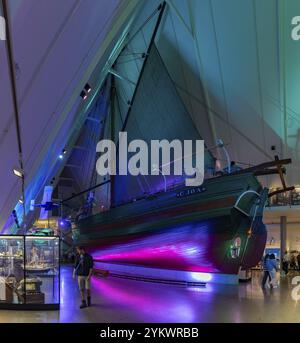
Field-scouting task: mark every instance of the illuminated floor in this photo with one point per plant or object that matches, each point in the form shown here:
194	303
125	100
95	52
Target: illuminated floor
118	300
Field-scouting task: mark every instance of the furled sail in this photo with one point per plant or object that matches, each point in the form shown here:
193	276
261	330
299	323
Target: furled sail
156	113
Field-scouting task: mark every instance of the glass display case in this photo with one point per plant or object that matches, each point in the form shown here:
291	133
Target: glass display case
29	272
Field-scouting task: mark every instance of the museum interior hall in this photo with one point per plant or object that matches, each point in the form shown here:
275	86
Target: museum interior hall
149	161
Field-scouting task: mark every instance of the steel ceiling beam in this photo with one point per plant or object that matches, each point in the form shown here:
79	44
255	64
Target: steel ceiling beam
13	85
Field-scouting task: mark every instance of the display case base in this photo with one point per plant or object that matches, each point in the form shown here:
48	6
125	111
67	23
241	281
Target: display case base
29	307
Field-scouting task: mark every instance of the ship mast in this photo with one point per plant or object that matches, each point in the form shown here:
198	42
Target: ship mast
161	9
114	95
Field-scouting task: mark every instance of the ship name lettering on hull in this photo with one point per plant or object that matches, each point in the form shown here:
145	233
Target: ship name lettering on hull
188	192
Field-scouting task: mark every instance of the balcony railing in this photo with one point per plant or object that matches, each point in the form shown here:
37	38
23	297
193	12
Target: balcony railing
290	198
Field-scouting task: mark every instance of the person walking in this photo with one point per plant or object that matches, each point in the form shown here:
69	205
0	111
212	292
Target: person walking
266	275
298	260
293	262
273	268
285	263
83	268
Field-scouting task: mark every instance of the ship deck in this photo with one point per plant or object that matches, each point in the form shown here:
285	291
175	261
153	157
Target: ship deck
119	300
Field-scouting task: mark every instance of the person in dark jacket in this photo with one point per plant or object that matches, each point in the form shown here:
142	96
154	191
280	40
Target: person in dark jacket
83	268
285	262
293	264
298	261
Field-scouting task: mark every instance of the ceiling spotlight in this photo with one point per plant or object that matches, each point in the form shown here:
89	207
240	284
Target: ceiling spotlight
21	201
61	156
87	88
83	95
64	151
18	172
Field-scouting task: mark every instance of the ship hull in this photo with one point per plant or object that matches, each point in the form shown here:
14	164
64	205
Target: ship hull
200	231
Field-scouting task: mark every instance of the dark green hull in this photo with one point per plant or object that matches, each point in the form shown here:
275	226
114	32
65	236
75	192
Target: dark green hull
202	229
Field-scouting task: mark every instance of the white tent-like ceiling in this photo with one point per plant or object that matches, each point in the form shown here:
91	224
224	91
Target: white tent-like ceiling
235	59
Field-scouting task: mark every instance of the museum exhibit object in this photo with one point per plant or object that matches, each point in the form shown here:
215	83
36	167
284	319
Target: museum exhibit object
158	222
29	272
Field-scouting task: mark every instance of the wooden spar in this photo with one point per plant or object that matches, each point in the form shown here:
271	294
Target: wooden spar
264	166
269	171
265	169
280	172
284	187
282	190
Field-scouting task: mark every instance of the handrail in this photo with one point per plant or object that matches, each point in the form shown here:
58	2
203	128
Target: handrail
239	199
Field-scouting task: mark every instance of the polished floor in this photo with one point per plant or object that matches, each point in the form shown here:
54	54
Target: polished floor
119	300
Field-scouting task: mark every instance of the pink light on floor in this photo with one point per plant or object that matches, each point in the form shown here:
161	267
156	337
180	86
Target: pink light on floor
160	308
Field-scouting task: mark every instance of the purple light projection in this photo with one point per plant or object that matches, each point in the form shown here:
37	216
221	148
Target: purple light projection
151	305
185	248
